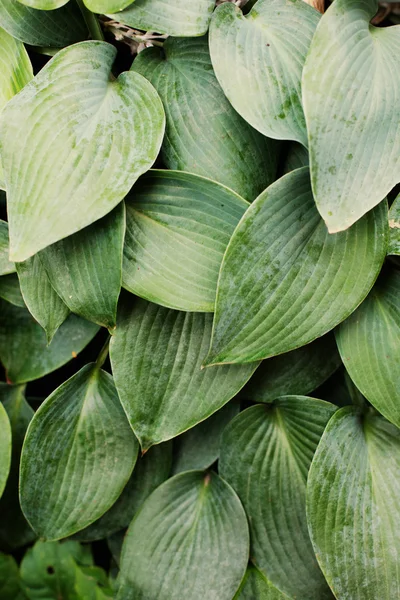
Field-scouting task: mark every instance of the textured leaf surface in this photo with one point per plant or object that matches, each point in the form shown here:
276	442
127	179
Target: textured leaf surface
5	448
352	506
78	455
285	280
394	227
351	82
192	219
258	60
256	587
204	134
85	269
6	266
23	346
189	540
10	290
266	452
86	141
369	343
10	588
156	356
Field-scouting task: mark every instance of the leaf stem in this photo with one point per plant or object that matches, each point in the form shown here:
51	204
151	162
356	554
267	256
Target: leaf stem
92	22
103	354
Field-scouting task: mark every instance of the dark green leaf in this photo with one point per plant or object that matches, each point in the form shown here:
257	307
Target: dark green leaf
6	266
256	587
10	585
10	290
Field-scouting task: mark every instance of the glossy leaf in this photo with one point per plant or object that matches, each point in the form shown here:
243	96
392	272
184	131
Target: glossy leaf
394	227
350	87
10	290
266	452
44	4
257	587
189	540
95	138
156	356
258	60
6	266
79	434
5	448
192	219
285	280
10	585
204	134
352	505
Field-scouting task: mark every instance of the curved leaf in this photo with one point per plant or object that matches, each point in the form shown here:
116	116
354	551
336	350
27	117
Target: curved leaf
352	506
352	72
204	134
10	290
258	60
6	267
192	219
256	587
394	227
5	448
78	455
44	4
285	280
10	584
266	452
189	540
86	141
156	356
296	157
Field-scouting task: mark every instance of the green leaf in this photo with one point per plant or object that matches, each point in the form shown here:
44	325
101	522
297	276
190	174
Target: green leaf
296	157
10	290
79	434
198	448
41	299
5	448
44	4
6	267
156	356
352	505
350	84
256	587
183	18
115	542
204	134
266	452
10	585
297	372
258	60
192	219
284	280
189	540
94	138
107	6
369	344
394	227
85	269
56	28
24	351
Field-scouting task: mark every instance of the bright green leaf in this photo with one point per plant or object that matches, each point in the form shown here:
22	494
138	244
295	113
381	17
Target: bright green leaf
44	4
10	290
394	227
256	587
6	267
5	448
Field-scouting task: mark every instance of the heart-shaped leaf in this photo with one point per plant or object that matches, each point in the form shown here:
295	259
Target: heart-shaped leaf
192	219
6	266
285	280
189	540
258	60
204	134
352	72
78	455
95	137
10	290
256	587
353	505
266	452
5	448
394	227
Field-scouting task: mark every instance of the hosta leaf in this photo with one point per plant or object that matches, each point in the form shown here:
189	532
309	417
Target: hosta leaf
369	343
10	585
24	351
258	60
5	448
79	434
204	134
156	356
296	157
10	290
44	4
6	266
85	269
256	587
350	88
394	227
297	372
352	505
192	219
189	540
285	280
86	141
183	18
266	452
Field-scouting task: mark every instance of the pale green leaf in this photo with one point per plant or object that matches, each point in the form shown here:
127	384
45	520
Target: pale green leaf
5	448
192	219
10	584
285	280
204	134
6	267
79	434
44	4
255	586
10	290
394	227
94	137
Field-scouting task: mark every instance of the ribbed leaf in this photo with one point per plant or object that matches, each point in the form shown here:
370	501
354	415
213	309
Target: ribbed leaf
353	506
189	540
394	227
10	290
285	280
6	266
369	343
86	141
85	269
266	452
5	448
256	587
192	219
351	82
156	356
24	351
78	455
204	134
258	60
